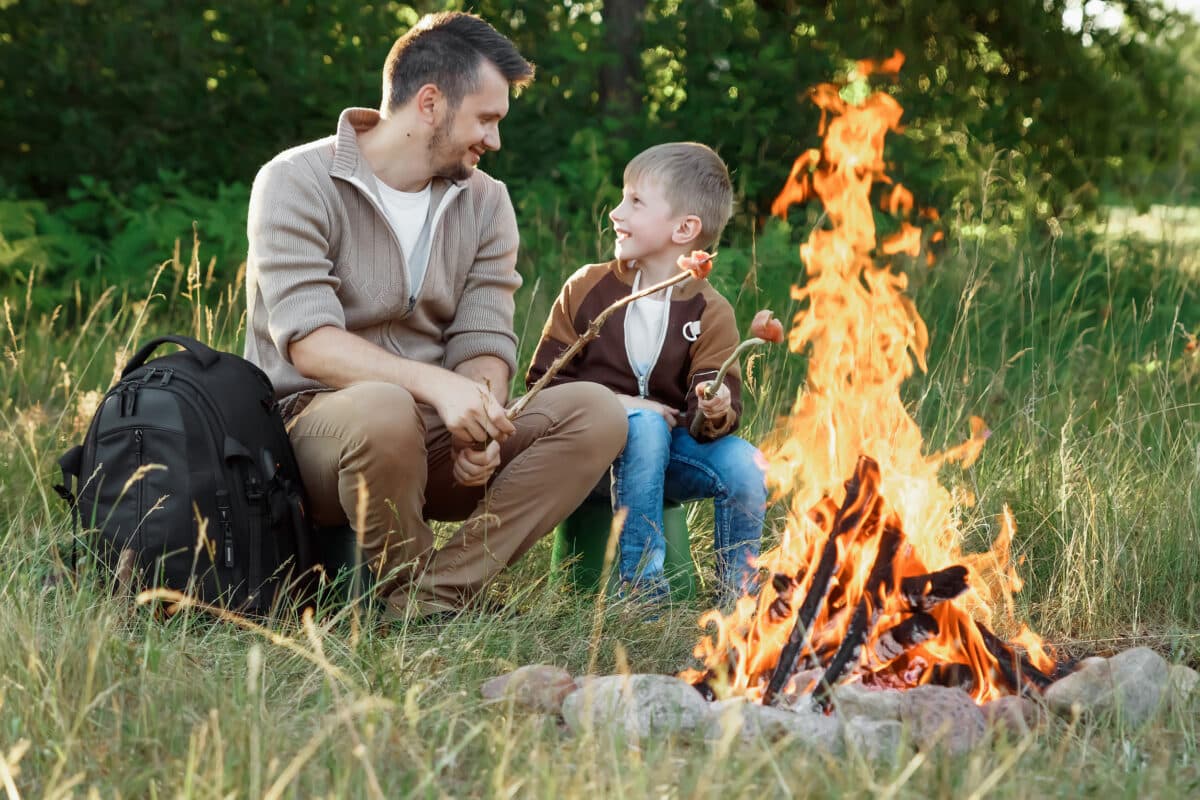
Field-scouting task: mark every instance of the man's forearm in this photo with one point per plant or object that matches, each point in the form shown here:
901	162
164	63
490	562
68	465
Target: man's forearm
338	359
490	371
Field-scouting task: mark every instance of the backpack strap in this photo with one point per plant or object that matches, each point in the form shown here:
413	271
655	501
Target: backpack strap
70	463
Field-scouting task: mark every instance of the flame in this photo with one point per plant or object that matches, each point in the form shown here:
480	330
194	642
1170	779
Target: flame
898	579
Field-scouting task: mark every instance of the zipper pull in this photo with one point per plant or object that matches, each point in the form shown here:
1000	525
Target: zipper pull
642	380
137	445
226	526
412	303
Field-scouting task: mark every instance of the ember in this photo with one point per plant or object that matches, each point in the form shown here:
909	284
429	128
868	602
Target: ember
869	580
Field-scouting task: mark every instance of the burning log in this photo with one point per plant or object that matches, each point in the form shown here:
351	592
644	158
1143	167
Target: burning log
1018	672
866	615
781	606
897	641
860	495
923	592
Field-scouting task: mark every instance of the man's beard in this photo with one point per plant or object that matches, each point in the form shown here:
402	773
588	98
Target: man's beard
446	165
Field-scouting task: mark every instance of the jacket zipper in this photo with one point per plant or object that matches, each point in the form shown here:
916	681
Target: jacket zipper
643	379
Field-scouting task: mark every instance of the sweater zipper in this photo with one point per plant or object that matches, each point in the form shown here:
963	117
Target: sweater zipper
413	291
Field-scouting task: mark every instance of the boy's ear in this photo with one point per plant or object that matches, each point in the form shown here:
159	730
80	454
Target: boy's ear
688	230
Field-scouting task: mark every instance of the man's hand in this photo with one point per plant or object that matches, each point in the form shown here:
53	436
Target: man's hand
468	410
668	413
474	467
716	407
489	371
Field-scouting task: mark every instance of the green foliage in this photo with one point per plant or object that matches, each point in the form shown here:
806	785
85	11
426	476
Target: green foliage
211	91
100	238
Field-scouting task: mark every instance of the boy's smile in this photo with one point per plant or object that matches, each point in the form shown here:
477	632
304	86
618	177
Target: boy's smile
644	223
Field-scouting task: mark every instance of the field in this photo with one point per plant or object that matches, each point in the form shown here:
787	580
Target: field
1075	347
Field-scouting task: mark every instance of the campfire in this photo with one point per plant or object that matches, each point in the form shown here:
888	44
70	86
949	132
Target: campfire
869	581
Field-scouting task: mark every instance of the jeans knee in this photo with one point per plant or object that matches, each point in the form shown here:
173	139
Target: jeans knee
649	436
744	478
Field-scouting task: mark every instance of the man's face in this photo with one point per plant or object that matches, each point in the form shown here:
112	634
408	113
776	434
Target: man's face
472	129
644	221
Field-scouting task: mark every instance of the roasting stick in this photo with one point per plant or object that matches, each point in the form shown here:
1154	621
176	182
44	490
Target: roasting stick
765	329
701	265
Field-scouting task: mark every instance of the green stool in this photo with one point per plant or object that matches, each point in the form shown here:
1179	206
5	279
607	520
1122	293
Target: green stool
580	541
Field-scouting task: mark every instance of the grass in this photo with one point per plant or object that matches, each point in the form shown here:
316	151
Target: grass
1071	349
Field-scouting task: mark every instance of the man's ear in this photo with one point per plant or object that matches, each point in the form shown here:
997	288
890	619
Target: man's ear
429	102
688	230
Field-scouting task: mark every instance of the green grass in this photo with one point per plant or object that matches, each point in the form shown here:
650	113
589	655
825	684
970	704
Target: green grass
1070	349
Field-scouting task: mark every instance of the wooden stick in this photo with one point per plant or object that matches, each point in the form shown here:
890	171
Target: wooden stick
593	330
710	390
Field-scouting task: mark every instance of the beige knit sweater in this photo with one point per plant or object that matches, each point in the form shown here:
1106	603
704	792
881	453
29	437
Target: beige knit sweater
322	253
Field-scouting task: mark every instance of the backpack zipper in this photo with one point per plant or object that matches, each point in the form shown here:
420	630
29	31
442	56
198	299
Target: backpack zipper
137	451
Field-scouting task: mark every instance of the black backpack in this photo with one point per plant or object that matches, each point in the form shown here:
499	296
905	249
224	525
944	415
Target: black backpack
204	430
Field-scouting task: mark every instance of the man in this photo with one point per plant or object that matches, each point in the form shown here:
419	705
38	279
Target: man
380	285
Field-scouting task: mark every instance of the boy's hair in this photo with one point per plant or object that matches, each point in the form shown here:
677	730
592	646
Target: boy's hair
695	181
447	50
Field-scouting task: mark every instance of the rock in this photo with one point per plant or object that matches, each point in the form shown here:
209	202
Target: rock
939	716
853	700
751	721
1013	715
643	706
1182	683
875	740
1130	684
537	687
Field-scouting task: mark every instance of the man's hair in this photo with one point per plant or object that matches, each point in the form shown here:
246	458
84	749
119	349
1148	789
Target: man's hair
694	180
447	50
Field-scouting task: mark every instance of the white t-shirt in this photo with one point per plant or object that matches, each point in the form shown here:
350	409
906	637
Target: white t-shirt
407	211
643	332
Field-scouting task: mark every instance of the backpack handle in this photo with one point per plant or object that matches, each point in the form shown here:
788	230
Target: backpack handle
201	352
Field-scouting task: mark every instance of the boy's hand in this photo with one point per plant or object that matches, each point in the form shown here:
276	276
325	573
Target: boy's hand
474	467
668	413
716	407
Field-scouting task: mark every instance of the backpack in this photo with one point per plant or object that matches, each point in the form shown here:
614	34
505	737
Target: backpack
217	508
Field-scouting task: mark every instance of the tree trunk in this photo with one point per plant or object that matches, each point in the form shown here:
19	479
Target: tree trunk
620	75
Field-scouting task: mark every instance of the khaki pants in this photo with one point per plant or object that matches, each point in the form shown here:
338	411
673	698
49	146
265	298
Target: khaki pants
565	441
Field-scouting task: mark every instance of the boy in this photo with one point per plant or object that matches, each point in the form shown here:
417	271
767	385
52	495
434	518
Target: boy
657	355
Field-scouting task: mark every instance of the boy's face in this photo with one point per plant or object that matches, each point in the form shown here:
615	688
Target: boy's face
644	221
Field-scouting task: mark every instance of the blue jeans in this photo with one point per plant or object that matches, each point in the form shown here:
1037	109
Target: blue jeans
661	463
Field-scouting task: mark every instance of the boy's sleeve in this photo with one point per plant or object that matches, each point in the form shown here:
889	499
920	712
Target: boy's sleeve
557	335
718	338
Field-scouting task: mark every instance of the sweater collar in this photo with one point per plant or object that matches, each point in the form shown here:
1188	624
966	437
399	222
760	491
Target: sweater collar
348	162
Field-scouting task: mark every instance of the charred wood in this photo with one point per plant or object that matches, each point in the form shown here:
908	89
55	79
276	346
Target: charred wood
923	592
954	675
1018	671
866	615
860	497
781	606
702	686
896	641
